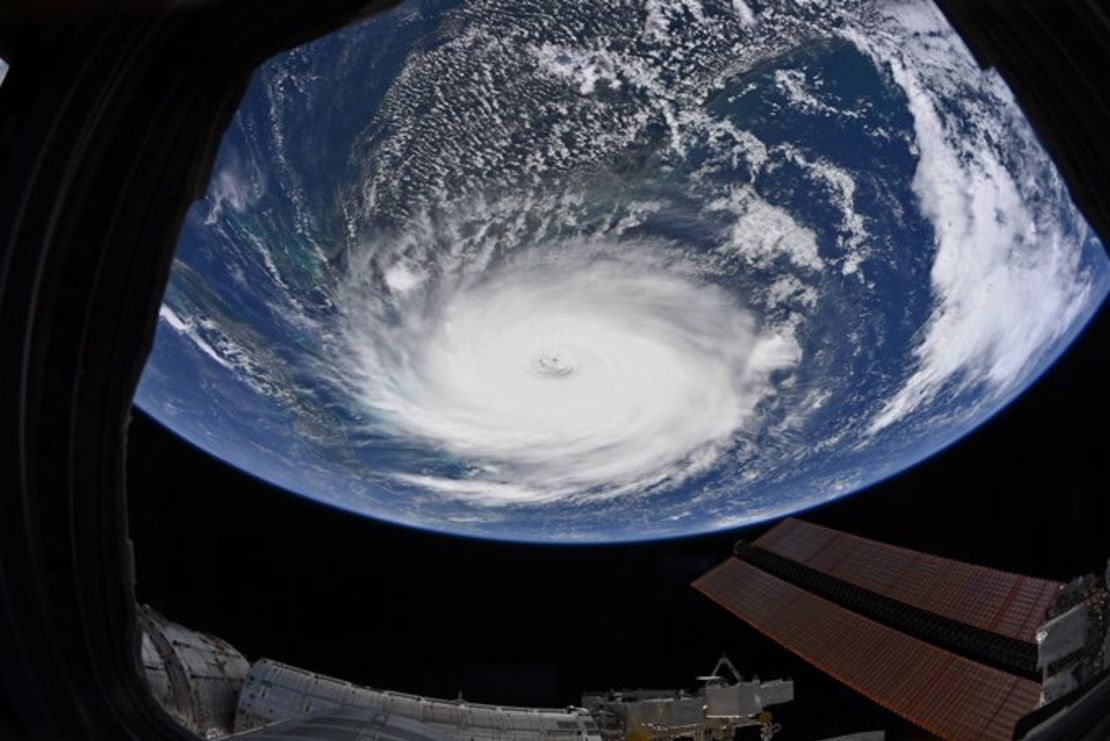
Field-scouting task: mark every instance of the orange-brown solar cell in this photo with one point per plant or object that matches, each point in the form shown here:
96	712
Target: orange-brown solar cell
1001	602
944	693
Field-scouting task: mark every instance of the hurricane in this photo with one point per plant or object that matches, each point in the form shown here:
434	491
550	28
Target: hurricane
611	271
570	371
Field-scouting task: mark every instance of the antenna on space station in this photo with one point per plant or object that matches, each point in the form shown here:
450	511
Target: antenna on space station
716	677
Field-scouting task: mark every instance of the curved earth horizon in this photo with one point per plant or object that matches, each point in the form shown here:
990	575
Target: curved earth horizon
606	272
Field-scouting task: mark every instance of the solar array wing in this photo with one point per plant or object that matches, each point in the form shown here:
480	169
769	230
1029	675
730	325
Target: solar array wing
1001	602
942	692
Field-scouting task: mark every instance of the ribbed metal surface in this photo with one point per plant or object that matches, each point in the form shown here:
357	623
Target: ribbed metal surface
998	601
276	692
346	725
195	677
945	694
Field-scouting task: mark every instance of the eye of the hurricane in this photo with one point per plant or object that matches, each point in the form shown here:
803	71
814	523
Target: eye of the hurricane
553	364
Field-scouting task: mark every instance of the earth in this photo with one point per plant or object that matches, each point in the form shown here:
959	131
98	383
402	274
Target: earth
602	271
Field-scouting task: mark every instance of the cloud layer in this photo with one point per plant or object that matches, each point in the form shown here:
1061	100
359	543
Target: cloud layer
570	372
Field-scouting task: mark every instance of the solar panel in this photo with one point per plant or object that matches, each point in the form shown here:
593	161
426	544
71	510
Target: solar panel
944	693
998	601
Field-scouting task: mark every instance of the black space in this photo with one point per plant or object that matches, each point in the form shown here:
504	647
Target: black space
279	576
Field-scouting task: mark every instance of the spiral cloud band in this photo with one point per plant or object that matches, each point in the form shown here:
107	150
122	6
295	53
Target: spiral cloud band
579	376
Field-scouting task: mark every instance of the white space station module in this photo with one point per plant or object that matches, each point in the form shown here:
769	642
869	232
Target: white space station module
211	689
